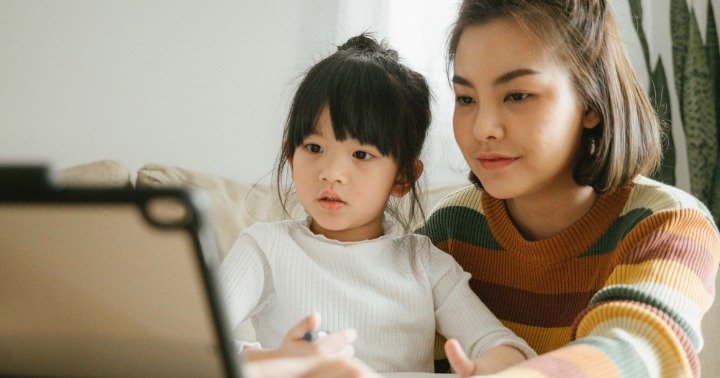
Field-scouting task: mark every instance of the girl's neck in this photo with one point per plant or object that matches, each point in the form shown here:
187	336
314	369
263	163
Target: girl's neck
366	232
541	216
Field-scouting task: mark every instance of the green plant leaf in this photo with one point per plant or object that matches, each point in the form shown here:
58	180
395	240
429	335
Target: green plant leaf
698	115
713	55
636	11
679	32
660	99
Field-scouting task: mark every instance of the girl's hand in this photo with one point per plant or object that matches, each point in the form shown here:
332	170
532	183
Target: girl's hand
490	361
461	364
335	344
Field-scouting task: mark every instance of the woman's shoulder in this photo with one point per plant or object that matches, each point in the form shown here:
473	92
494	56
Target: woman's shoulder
656	197
463	206
469	197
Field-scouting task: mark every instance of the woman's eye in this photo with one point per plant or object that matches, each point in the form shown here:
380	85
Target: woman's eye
362	155
464	100
313	148
517	96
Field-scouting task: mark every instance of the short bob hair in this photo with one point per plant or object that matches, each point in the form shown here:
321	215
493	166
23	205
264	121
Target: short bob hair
583	35
373	98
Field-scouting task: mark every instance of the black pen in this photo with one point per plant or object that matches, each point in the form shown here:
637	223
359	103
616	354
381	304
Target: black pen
311	336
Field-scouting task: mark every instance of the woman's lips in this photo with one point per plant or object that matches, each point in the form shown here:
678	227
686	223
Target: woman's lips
494	162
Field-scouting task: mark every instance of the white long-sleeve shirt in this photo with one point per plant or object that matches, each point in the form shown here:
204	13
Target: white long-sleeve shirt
396	291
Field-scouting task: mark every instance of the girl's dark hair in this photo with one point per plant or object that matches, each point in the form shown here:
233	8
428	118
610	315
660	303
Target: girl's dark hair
583	35
373	98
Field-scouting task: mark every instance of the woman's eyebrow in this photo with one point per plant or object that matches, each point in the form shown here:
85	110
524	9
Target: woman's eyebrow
502	79
461	81
509	76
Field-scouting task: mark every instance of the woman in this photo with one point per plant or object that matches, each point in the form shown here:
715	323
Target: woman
603	271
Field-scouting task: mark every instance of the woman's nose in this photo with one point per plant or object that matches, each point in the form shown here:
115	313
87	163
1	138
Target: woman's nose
488	123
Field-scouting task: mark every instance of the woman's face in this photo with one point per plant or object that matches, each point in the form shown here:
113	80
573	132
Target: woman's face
518	120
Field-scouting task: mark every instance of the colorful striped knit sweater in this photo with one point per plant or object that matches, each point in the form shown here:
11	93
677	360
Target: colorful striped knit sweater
623	289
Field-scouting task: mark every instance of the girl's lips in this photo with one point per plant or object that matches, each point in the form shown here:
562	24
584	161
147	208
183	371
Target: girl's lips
494	162
331	201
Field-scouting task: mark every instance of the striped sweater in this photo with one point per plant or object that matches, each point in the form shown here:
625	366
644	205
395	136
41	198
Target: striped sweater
619	293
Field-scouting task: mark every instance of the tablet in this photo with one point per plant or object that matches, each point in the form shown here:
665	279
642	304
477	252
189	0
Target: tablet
108	281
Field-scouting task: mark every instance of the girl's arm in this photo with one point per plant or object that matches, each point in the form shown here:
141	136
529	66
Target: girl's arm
460	314
242	276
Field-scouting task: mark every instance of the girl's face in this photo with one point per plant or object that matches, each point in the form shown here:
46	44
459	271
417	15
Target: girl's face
343	185
517	120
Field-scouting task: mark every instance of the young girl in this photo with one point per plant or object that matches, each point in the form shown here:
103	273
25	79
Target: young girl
605	271
352	140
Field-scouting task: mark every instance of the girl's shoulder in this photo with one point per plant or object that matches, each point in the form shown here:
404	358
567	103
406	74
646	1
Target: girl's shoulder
260	229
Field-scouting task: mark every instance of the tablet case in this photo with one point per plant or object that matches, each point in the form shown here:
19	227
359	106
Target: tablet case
108	282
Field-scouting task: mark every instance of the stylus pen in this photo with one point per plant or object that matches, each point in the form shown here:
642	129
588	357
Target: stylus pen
311	336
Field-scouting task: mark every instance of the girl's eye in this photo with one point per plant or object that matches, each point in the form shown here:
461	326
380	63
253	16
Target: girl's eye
517	96
313	148
464	100
362	155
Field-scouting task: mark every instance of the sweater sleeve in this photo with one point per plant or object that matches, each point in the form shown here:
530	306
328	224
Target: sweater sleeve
244	280
460	314
646	319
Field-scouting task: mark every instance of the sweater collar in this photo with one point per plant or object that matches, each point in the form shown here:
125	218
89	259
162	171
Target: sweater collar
388	227
569	243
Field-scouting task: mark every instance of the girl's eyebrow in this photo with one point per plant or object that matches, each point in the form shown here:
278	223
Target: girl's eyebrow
502	79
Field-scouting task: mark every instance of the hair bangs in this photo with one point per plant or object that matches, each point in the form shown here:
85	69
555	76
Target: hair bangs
363	105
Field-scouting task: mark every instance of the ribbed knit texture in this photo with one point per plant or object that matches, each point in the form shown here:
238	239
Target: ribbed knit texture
396	291
626	286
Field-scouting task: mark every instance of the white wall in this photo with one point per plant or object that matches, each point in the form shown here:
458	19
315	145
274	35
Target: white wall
199	84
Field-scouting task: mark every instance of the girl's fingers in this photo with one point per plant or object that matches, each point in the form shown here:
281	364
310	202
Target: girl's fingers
309	323
338	343
459	361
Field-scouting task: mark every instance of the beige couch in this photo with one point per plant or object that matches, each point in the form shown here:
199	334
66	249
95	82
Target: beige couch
237	205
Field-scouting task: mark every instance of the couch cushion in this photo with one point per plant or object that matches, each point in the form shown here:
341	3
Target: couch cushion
235	205
102	172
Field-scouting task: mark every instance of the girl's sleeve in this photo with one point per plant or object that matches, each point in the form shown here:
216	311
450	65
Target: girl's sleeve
645	321
460	314
244	280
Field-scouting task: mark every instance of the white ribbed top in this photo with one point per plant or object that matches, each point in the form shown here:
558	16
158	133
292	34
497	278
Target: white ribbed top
394	290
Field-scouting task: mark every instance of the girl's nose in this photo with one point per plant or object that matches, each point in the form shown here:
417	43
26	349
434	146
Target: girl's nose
334	169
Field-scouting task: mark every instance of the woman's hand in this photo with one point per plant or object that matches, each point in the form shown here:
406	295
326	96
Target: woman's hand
335	344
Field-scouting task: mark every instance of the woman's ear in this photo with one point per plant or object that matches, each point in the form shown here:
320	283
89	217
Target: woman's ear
590	118
403	185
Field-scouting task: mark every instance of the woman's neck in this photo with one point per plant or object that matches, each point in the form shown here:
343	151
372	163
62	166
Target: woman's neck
541	216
